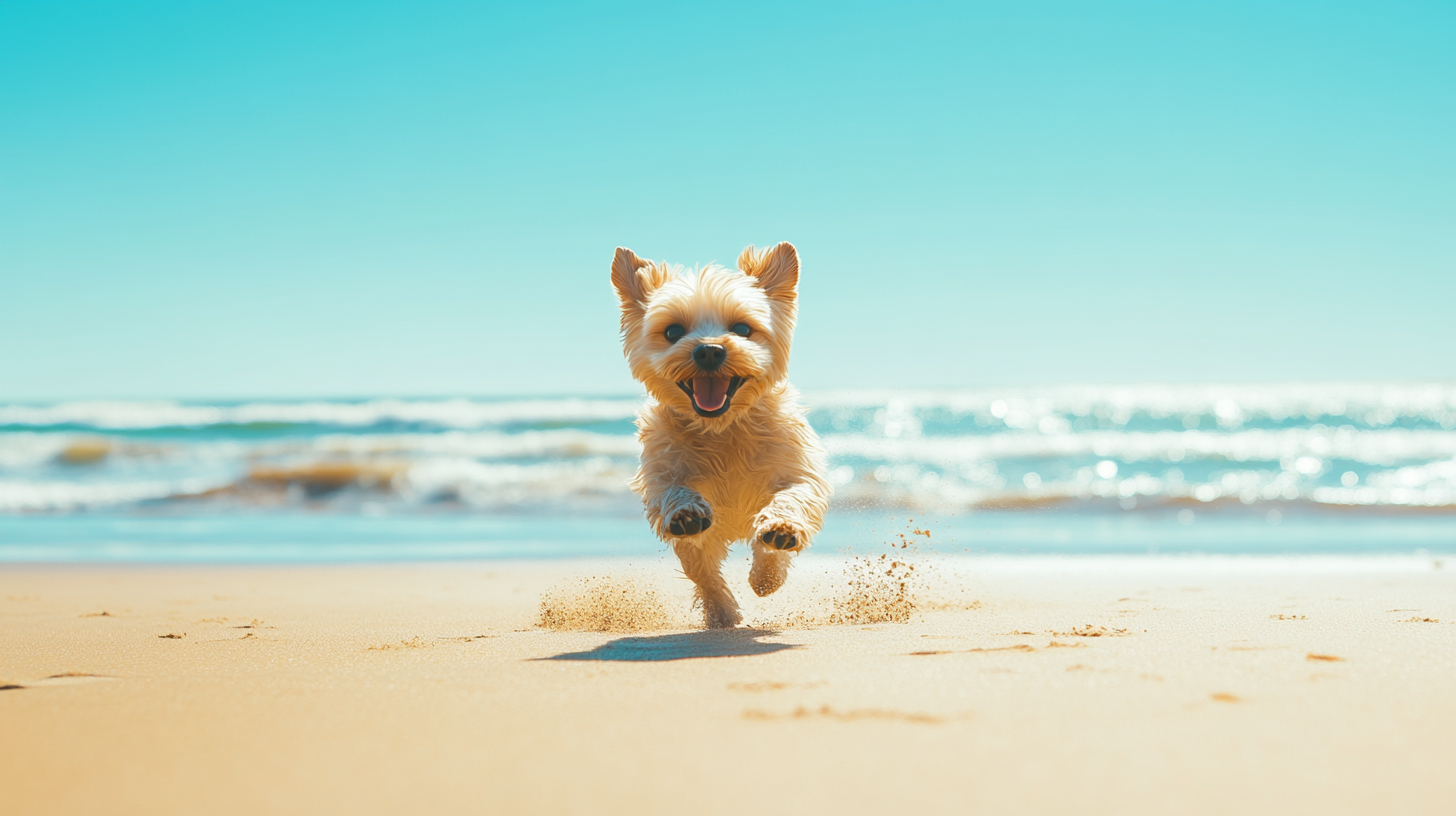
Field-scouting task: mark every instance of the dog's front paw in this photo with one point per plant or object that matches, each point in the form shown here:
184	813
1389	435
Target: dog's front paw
689	522
781	535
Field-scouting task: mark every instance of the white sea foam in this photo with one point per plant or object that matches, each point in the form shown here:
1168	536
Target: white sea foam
1377	403
1375	447
455	413
502	485
1356	445
37	496
24	450
562	444
1374	404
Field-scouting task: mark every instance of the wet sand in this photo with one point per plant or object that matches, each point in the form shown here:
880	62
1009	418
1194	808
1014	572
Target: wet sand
1027	686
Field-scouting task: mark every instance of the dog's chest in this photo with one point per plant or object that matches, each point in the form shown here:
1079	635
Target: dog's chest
736	476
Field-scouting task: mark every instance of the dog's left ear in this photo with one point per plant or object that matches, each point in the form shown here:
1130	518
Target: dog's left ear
776	268
626	278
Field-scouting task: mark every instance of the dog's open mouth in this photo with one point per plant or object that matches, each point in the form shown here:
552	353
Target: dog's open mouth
711	396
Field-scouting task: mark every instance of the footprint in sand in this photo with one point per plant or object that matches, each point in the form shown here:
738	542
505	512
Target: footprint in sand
62	679
413	643
71	678
1090	630
1323	658
852	715
1020	647
418	642
770	685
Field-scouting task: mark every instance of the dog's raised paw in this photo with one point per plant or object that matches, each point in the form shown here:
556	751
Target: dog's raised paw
780	539
689	522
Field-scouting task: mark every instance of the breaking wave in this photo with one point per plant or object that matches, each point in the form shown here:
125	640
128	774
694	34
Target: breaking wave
454	413
1269	449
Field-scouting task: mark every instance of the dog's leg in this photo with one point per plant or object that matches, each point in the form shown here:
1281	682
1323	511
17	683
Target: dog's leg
770	570
679	512
682	517
793	517
702	563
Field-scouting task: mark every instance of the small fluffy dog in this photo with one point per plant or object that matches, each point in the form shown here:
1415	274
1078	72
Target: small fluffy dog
726	452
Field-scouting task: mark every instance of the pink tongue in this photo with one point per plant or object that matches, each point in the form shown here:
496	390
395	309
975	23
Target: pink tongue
709	393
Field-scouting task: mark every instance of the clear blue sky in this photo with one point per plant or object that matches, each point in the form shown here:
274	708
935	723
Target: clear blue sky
309	199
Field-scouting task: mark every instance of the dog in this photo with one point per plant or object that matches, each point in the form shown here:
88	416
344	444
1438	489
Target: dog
727	454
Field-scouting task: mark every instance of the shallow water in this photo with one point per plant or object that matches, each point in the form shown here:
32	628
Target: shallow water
1246	469
239	537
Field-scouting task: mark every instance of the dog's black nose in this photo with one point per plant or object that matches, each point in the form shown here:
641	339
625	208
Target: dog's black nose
709	356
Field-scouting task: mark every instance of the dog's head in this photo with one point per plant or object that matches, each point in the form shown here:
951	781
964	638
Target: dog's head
710	343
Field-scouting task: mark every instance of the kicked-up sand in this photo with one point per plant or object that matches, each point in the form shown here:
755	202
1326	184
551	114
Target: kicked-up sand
1016	685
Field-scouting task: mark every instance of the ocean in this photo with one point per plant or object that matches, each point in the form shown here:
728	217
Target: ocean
1232	470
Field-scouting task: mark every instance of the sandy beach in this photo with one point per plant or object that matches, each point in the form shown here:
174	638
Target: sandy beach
1017	685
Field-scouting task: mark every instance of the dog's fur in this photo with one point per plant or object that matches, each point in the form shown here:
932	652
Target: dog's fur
756	471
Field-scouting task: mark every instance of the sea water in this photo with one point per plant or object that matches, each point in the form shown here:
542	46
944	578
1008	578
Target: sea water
1272	469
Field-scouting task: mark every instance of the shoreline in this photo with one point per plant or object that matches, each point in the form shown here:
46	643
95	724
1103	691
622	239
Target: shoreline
1019	684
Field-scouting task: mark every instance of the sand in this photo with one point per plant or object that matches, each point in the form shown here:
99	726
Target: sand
1015	686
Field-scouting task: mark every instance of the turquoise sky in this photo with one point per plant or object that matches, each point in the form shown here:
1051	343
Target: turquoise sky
311	199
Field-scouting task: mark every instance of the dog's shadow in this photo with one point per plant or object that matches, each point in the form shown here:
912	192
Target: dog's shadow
660	648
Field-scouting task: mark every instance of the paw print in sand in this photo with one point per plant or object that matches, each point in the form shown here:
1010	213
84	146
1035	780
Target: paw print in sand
781	539
689	522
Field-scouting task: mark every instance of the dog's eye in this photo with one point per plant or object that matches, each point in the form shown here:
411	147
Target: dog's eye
742	329
674	333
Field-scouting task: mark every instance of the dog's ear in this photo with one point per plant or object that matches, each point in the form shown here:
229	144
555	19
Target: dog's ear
777	269
634	279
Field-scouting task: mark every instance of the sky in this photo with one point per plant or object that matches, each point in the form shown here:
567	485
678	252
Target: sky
214	200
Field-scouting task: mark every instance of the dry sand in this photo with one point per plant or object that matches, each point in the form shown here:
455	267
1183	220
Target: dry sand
1016	686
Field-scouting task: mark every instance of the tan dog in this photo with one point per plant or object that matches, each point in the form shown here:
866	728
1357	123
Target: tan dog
726	452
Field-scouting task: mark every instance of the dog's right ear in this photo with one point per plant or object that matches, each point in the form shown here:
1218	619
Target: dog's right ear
633	278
